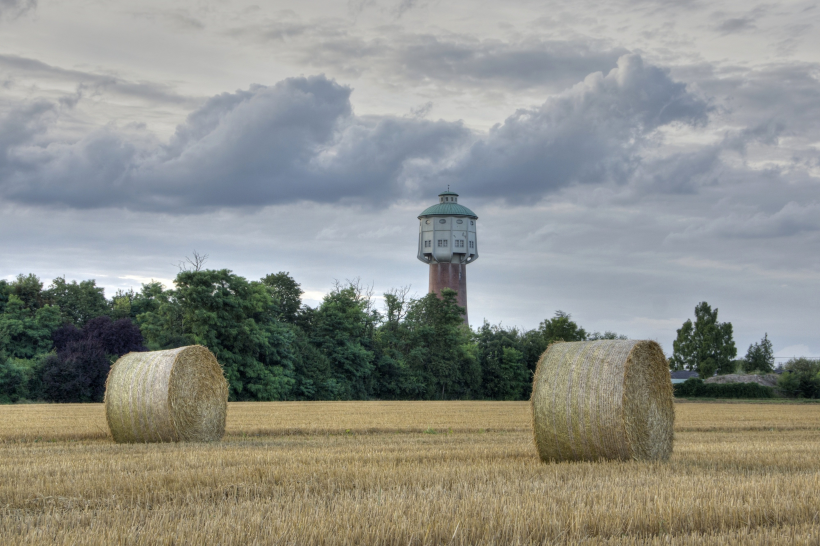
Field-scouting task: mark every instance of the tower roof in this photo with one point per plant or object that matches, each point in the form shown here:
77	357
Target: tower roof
448	209
448	192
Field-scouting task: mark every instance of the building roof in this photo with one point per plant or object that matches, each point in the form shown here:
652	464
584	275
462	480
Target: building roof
448	209
683	374
448	192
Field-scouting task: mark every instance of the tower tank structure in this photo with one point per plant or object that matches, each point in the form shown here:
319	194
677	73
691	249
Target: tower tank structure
447	242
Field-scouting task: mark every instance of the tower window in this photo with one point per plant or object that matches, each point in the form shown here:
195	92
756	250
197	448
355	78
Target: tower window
428	244
472	244
442	242
458	243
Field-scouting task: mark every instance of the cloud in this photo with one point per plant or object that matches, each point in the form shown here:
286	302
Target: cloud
787	94
521	64
591	134
427	59
12	9
300	140
736	24
297	140
89	83
793	218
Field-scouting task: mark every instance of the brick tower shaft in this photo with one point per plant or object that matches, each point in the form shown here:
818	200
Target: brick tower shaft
453	276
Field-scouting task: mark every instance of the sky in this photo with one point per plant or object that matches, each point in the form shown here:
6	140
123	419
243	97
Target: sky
626	159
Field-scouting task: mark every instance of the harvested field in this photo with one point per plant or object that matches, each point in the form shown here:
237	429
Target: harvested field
405	473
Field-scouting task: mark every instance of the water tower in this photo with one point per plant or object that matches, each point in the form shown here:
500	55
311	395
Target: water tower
447	242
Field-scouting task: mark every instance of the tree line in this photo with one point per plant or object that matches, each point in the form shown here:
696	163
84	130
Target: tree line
57	343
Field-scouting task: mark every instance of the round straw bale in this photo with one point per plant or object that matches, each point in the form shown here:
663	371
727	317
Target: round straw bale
179	395
605	399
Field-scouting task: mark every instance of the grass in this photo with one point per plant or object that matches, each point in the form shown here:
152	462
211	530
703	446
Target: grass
405	473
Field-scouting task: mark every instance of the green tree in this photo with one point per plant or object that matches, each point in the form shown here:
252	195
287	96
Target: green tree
161	319
287	294
439	349
561	328
801	378
28	290
342	329
760	356
705	346
504	373
26	332
5	291
13	381
606	335
78	302
396	379
235	319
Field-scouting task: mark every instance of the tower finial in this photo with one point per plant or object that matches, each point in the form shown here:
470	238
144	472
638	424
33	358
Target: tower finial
448	187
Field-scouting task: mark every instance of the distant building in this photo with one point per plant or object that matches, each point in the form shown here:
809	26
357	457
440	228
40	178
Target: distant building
447	241
681	376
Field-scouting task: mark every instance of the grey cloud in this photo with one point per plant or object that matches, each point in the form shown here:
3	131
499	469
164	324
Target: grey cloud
790	90
422	111
299	140
405	6
593	133
12	9
179	18
743	23
527	63
737	24
19	126
774	106
444	61
792	219
682	172
89	83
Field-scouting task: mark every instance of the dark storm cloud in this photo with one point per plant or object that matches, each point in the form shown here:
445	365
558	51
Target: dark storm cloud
11	9
89	83
300	140
593	133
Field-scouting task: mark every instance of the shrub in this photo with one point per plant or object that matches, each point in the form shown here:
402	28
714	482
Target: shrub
801	378
696	388
13	381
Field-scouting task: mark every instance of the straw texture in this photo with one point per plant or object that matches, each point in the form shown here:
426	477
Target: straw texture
179	395
605	399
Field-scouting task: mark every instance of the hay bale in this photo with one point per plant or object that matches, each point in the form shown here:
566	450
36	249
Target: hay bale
606	399
179	395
